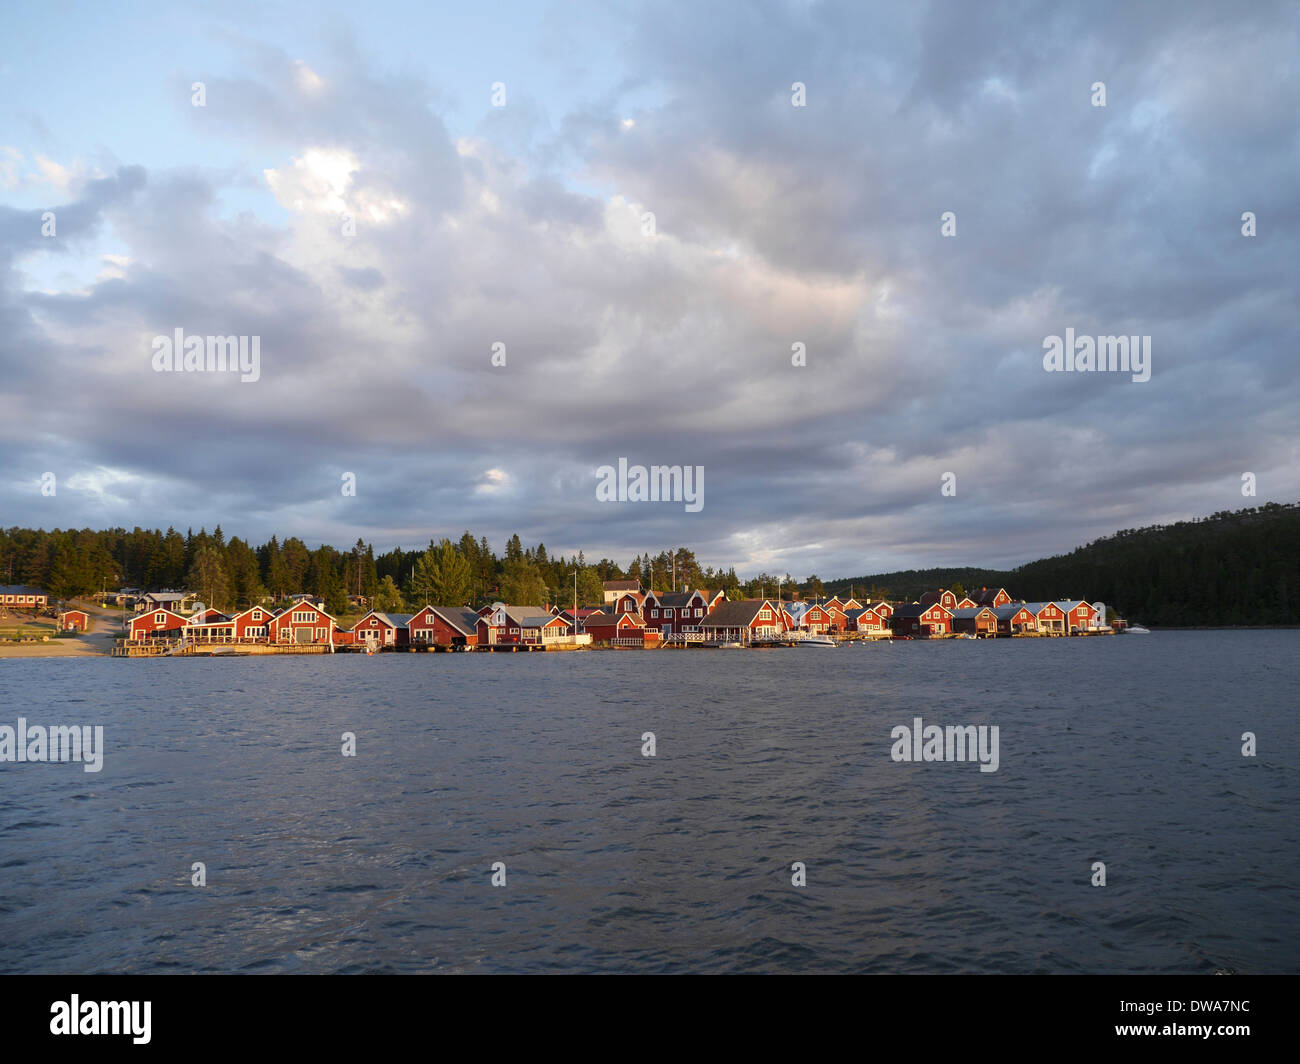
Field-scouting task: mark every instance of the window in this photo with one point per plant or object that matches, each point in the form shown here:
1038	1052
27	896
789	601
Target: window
160	618
699	613
668	613
765	615
257	615
303	617
654	613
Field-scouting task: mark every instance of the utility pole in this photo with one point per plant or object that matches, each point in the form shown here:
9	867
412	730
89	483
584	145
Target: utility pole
575	605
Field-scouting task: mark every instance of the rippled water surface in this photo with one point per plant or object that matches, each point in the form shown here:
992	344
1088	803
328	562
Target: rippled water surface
1122	750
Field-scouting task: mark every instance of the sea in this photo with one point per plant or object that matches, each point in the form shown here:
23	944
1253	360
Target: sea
711	811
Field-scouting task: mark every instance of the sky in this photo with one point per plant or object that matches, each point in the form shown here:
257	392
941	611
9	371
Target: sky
710	236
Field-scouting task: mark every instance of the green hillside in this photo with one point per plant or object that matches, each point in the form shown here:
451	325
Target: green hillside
1239	567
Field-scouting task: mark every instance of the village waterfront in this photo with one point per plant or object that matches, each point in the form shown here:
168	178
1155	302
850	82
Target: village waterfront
531	770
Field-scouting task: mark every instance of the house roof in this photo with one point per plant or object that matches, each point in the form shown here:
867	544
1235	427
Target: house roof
735	614
519	613
970	612
601	618
1064	605
20	589
985	595
916	609
1006	612
463	619
672	599
541	620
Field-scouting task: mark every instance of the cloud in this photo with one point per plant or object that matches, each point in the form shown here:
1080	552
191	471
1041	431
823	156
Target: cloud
773	225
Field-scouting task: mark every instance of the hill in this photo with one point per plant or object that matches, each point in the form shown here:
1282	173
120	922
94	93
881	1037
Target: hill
1233	567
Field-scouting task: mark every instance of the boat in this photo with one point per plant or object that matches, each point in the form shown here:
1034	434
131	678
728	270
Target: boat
1137	629
817	641
731	646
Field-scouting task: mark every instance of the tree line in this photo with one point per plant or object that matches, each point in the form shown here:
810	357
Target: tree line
1233	567
230	574
1238	567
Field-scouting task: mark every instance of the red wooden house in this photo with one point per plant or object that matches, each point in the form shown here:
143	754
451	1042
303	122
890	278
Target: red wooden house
1013	618
868	620
675	612
1048	617
885	609
502	624
992	596
823	617
744	621
252	623
619	629
157	624
630	602
942	597
445	626
917	619
302	623
1079	615
975	620
74	620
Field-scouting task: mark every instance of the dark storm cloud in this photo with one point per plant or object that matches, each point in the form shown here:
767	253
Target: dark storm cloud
772	225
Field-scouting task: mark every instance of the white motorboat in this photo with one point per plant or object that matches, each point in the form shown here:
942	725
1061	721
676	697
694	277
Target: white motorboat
817	641
1137	629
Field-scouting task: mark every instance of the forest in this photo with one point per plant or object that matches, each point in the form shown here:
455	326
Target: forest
1239	567
232	573
1233	567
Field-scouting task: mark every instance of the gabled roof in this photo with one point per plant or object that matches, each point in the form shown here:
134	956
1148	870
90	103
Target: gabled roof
519	613
671	600
601	618
916	609
736	614
147	614
985	595
970	612
541	620
461	618
302	606
1064	605
1006	612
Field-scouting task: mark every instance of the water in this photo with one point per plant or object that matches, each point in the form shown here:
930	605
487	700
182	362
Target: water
1122	750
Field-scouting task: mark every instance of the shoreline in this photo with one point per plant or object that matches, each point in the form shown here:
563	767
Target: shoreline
100	644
